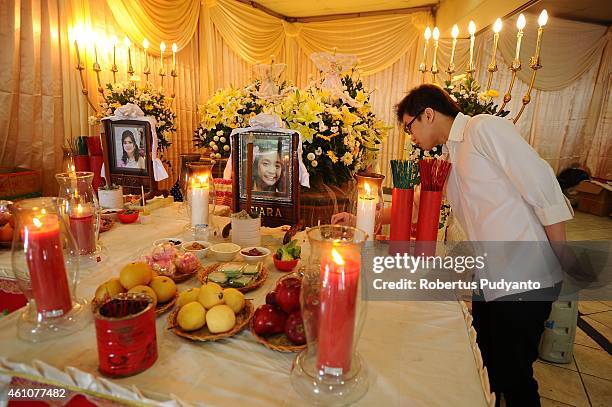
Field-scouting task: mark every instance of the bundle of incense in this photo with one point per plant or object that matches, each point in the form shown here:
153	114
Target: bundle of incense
405	174
433	174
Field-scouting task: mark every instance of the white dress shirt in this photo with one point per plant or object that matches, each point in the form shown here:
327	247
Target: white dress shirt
501	191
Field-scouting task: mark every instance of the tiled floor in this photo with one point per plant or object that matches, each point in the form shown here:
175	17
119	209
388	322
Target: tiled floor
587	380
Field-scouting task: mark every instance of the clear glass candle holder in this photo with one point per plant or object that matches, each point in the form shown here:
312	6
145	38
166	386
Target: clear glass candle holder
45	260
330	371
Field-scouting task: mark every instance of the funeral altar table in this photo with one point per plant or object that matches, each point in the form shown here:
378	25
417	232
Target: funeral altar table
417	353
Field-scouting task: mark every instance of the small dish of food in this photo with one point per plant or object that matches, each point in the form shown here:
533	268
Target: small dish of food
197	247
174	240
225	251
254	254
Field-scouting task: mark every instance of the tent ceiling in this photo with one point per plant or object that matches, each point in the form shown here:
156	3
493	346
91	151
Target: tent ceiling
292	8
590	11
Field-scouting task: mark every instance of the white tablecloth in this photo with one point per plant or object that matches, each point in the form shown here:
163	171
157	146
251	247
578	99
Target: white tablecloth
417	353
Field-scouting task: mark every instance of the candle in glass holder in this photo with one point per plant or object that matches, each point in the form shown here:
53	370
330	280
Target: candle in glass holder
199	197
366	211
45	260
82	226
338	299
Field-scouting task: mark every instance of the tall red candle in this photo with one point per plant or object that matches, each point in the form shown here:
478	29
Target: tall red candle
338	299
45	260
83	229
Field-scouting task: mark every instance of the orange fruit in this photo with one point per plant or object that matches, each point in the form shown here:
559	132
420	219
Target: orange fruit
135	273
164	288
145	289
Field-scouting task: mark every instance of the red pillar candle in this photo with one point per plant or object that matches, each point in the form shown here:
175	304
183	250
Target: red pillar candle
45	261
83	229
338	303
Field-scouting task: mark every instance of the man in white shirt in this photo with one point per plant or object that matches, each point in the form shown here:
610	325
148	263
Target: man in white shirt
500	190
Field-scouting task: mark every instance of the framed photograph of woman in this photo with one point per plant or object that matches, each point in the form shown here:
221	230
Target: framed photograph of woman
127	149
130	149
274	175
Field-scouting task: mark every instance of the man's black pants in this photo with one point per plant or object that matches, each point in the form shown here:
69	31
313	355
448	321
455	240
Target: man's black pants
508	336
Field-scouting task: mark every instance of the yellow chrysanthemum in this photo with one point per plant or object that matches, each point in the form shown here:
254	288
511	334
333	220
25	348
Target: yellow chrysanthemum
332	156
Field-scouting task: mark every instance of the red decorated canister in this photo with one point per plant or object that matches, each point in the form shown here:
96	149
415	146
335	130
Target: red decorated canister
125	330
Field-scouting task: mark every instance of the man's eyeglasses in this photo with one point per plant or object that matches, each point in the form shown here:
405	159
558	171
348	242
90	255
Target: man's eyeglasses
408	126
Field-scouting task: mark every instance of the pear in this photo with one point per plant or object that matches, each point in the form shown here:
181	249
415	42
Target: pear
233	299
220	318
188	296
191	316
211	294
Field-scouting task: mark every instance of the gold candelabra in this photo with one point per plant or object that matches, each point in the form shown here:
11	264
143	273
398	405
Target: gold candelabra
97	69
515	65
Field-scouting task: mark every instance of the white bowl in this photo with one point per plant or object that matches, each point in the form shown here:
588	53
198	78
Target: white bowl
255	259
168	240
200	253
224	251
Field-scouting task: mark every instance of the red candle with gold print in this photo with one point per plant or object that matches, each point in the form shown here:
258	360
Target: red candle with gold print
83	229
338	300
45	260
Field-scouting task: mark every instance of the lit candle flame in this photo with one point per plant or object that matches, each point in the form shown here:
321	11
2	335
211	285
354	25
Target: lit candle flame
521	22
436	34
472	28
162	46
114	40
455	31
203	179
427	34
497	26
37	222
79	209
368	189
145	43
127	42
174	47
543	19
337	257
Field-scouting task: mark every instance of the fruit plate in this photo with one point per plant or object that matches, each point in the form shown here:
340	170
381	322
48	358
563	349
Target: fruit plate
255	284
159	308
204	335
182	277
277	342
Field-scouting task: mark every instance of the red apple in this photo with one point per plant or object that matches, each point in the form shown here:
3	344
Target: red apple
288	294
294	328
269	320
6	233
271	298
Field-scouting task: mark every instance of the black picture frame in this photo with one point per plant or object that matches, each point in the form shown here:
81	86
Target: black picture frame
275	172
134	172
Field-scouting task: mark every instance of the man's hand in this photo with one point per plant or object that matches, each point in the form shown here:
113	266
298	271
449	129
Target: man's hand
343	218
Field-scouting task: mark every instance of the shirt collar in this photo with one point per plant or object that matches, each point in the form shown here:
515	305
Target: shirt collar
456	131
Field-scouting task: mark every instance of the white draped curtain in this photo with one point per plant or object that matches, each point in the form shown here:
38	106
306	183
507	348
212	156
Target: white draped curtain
567	121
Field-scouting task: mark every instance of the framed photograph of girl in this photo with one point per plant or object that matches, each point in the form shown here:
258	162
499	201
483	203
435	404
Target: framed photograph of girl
275	192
